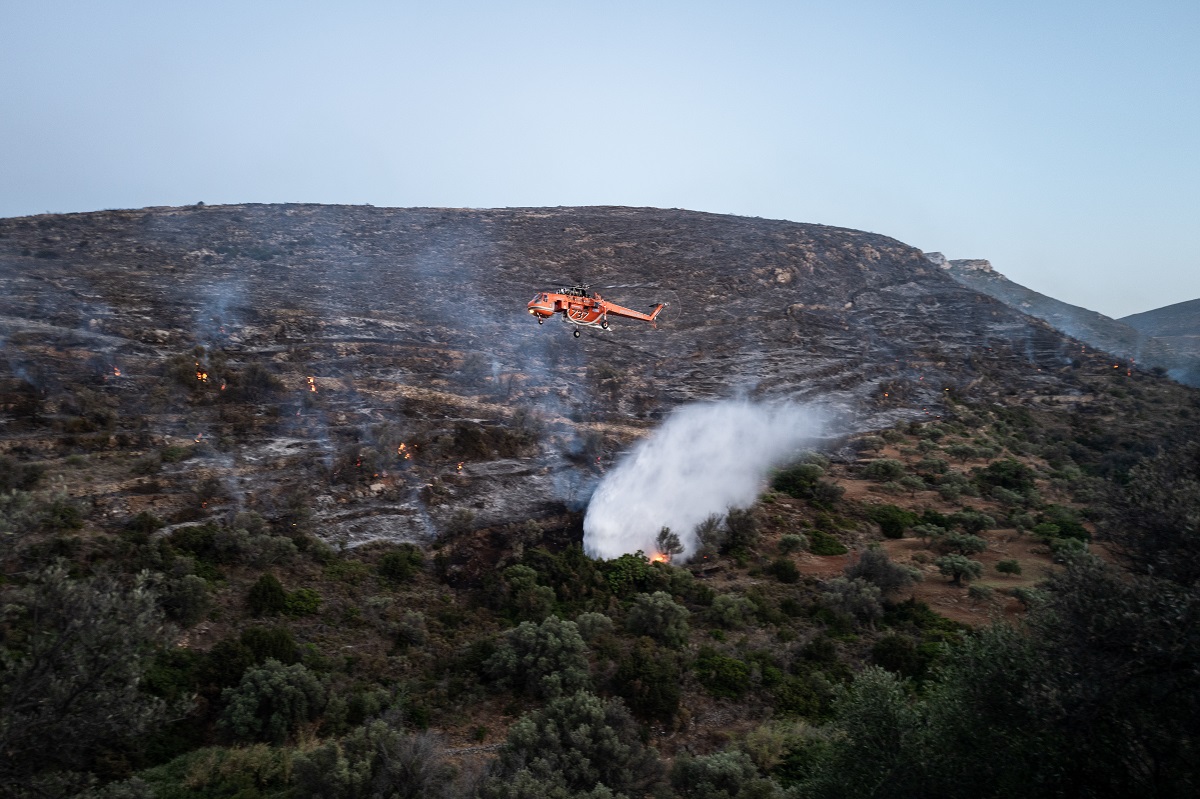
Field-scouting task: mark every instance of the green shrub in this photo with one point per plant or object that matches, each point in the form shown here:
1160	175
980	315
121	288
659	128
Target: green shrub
271	702
822	543
402	564
649	679
659	617
722	775
577	746
741	528
877	568
1009	474
185	600
302	602
853	597
270	643
545	660
175	454
1067	521
792	542
61	513
1008	567
962	543
374	760
249	772
883	470
972	521
892	520
959	568
267	596
784	570
980	593
900	654
522	596
722	675
731	611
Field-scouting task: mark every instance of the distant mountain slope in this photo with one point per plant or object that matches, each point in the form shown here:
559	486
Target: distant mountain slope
1177	325
1180	357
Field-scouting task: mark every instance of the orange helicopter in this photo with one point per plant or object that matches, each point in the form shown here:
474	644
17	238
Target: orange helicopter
583	309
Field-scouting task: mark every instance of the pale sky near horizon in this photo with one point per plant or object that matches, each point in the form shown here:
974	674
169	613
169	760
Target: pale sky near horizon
1056	139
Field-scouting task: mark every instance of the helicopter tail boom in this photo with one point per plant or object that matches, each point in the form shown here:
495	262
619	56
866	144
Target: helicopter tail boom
620	310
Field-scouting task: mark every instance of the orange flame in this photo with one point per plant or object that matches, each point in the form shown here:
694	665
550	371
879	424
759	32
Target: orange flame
404	450
199	437
116	372
460	465
659	557
312	384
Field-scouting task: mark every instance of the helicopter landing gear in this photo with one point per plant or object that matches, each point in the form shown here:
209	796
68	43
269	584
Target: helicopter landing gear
576	332
604	324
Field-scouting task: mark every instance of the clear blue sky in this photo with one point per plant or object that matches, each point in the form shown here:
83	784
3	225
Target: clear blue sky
1057	139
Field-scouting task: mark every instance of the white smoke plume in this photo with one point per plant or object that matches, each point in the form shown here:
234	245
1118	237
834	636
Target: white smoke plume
704	460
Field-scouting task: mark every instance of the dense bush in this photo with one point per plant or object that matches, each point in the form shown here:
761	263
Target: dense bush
784	570
892	520
649	679
577	746
523	597
822	543
271	702
792	542
961	543
721	675
185	599
545	660
659	617
1008	474
270	643
267	596
401	564
723	775
883	469
1009	566
73	654
731	611
374	760
874	566
853	597
742	532
959	568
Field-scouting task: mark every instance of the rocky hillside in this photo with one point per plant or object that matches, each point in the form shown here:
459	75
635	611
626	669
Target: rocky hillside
1177	325
1179	357
377	366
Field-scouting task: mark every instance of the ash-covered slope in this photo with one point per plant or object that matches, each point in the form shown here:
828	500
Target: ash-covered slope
377	368
1179	357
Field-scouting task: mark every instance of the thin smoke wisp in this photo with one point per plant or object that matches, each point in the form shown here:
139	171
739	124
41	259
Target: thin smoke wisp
705	459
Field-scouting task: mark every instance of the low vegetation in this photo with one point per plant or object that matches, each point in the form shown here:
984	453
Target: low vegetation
988	604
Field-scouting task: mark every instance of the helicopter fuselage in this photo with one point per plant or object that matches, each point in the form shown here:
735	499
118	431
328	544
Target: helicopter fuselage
583	309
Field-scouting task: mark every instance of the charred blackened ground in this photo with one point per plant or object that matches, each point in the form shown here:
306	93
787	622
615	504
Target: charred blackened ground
376	369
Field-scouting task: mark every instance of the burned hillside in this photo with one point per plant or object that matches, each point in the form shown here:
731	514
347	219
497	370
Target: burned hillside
377	365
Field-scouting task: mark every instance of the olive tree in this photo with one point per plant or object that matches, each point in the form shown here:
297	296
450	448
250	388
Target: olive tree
272	701
578	745
659	617
70	682
545	660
